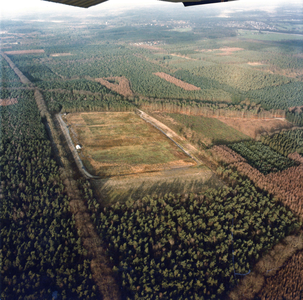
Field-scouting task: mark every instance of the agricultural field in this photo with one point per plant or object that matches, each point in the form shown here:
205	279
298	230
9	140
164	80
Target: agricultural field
122	143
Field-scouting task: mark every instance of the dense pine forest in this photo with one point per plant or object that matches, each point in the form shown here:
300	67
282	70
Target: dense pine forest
191	246
164	246
41	252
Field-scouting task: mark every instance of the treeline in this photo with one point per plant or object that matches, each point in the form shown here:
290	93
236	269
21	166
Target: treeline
41	252
295	117
286	142
65	101
192	246
8	76
262	157
77	84
245	109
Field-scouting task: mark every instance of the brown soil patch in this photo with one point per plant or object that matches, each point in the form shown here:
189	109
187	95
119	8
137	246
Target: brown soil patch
184	85
182	56
225	50
122	86
254	127
150	47
60	54
229	50
255	64
25	52
6	102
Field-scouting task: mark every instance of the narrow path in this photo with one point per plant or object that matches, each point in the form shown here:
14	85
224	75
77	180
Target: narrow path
73	149
169	134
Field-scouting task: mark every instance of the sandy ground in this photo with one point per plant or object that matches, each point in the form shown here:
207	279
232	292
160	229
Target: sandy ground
60	54
122	88
253	127
6	102
184	85
25	52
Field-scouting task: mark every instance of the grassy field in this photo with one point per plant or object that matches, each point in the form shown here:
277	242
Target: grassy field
178	180
122	143
198	128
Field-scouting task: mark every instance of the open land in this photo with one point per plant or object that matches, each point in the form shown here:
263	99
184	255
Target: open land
16	52
6	102
122	143
184	85
118	84
253	127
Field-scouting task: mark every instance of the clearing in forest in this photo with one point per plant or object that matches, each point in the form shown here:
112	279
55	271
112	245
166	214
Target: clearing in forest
6	102
60	54
184	85
254	127
37	51
119	85
179	180
121	143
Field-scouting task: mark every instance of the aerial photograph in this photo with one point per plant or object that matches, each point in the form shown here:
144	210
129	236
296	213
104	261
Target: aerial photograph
151	150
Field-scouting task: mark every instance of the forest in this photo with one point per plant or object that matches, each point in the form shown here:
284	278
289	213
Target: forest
41	251
191	246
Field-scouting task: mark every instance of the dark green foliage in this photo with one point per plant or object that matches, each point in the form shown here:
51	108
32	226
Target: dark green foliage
179	247
77	102
41	251
285	142
262	157
294	117
282	96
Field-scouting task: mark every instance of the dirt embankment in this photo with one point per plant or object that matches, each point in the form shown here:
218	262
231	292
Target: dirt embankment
254	127
119	85
6	102
184	85
60	54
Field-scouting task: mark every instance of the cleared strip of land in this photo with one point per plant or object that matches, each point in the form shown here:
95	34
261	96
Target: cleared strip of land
38	51
184	85
6	102
119	85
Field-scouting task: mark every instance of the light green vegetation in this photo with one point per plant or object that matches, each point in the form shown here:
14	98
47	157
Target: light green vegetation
178	180
122	143
202	131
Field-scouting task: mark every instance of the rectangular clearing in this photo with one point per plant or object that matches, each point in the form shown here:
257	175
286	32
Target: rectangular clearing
121	143
184	85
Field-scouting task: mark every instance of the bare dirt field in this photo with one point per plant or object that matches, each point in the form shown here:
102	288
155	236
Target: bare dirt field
60	54
182	56
229	50
122	144
184	85
6	102
253	127
255	63
25	52
118	84
224	50
177	180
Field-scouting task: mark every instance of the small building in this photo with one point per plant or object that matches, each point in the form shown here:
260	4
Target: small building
78	147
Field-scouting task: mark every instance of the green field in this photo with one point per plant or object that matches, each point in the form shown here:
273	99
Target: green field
122	143
201	130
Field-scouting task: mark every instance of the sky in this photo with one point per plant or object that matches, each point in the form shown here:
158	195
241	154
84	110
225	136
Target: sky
17	8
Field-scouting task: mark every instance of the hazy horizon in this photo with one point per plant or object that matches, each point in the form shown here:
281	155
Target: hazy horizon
19	9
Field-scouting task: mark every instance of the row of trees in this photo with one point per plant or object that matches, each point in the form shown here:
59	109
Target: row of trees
286	142
65	101
41	252
190	246
262	157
